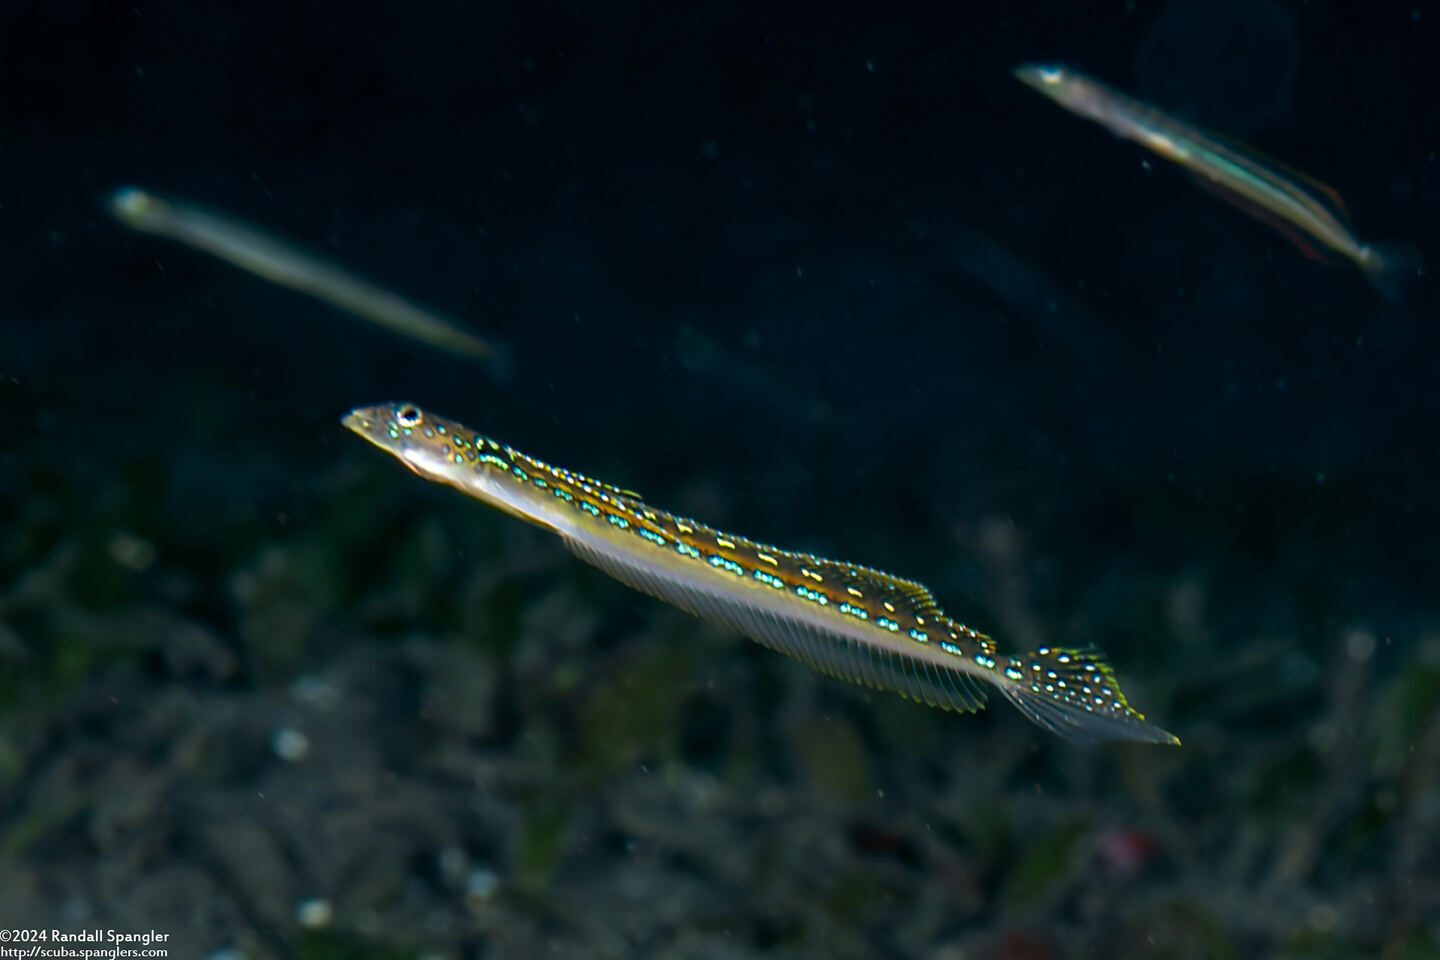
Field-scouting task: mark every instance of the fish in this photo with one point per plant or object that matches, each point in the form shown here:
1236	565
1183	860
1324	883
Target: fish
252	249
1304	210
850	621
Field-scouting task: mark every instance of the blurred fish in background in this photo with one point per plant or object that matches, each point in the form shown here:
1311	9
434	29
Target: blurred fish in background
1307	212
265	255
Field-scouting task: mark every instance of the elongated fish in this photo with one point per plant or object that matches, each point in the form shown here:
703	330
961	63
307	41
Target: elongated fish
267	256
1298	207
846	620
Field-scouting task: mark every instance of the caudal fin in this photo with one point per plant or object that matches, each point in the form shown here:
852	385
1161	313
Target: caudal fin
1391	267
1073	694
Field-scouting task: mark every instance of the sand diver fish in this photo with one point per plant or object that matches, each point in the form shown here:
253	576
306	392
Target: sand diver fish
265	255
846	620
1298	207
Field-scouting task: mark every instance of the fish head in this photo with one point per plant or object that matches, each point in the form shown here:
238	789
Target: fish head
1073	91
1042	76
431	446
131	206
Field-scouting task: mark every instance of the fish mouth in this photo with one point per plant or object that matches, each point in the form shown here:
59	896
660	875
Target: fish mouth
369	424
366	421
375	424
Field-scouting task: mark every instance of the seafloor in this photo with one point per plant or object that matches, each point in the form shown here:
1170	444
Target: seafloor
403	725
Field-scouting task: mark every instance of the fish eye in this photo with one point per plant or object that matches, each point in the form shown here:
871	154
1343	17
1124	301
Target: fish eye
1052	75
408	415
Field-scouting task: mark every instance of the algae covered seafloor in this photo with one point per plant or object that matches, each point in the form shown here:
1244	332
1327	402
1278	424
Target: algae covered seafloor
406	726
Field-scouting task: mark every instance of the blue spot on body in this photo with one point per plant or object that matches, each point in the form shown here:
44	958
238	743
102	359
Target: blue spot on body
723	564
813	596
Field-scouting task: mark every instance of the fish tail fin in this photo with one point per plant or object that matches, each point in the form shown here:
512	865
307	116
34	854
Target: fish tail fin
1391	267
1074	695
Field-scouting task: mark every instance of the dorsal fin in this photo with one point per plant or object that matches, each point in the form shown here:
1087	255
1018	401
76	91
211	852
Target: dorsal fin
1282	226
611	488
581	480
877	585
574	477
1331	195
1277	171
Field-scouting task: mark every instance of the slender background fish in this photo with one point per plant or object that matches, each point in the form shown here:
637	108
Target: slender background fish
1298	207
846	620
250	248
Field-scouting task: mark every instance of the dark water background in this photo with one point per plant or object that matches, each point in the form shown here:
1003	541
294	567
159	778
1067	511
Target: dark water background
823	275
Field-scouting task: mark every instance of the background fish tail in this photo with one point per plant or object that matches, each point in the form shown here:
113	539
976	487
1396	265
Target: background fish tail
1391	267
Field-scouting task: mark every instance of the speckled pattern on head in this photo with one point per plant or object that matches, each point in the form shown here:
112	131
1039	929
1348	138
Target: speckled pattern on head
850	621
